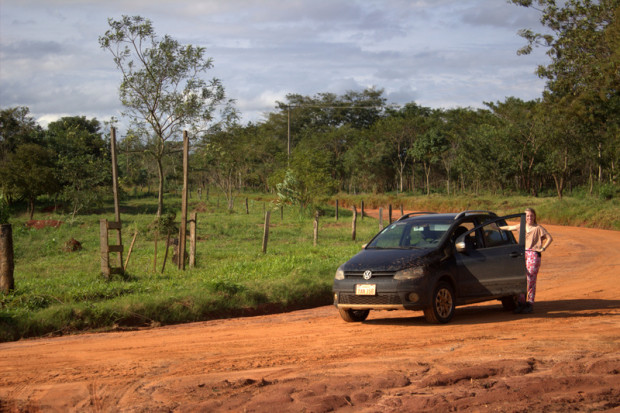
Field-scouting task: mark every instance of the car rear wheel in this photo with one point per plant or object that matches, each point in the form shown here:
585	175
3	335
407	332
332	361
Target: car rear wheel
352	316
510	302
442	305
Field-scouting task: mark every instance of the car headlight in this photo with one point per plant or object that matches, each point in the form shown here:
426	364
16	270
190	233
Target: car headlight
339	274
409	273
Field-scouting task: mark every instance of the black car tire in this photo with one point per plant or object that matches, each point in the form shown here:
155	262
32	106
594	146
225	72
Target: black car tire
353	316
510	302
441	309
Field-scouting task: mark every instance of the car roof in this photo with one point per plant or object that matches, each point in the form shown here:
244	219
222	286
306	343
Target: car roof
447	216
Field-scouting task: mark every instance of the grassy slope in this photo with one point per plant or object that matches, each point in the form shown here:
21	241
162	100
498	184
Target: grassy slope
59	292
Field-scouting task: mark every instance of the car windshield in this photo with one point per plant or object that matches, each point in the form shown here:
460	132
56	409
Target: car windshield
411	234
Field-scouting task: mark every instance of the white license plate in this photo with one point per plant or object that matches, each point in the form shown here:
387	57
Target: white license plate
365	289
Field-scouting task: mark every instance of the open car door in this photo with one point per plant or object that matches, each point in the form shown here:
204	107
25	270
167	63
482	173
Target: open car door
494	267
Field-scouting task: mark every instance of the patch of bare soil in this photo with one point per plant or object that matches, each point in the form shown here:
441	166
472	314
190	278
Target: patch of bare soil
563	357
42	223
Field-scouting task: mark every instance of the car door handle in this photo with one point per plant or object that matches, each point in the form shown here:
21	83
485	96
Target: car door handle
515	254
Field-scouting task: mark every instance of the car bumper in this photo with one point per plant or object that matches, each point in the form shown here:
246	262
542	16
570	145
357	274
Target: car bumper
389	295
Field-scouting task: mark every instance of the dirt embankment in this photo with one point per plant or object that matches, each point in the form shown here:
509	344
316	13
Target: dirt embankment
564	357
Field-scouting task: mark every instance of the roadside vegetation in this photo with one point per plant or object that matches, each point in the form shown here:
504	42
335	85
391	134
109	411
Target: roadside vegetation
60	292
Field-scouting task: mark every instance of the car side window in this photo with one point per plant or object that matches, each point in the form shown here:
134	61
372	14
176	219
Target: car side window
463	227
494	237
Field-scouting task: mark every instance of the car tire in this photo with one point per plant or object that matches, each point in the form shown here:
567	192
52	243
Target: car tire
510	302
353	316
441	309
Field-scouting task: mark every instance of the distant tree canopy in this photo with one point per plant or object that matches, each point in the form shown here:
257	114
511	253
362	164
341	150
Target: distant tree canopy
310	147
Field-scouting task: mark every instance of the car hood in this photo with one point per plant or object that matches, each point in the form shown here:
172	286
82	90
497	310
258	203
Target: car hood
387	259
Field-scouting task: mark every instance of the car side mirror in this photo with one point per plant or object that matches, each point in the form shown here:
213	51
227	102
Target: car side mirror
461	245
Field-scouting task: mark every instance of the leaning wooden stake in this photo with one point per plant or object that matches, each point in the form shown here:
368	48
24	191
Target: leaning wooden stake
135	234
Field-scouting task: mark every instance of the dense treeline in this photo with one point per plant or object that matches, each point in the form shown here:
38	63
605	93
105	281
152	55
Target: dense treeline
310	147
352	143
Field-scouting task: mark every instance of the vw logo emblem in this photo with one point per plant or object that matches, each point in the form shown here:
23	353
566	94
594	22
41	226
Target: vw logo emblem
367	274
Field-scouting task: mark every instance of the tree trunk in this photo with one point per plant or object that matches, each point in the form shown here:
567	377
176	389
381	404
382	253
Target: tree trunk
160	196
427	171
7	282
31	208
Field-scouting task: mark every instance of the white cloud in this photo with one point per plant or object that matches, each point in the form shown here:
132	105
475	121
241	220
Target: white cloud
440	53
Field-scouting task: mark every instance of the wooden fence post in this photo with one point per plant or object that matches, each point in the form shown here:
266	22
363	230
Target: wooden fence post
155	256
193	222
266	231
183	229
7	259
390	214
117	209
337	205
163	266
362	207
354	224
316	228
103	246
106	249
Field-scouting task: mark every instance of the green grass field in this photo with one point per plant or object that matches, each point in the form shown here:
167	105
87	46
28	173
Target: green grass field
58	292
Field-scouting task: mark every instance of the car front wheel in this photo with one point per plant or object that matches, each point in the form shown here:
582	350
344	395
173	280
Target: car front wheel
352	316
441	309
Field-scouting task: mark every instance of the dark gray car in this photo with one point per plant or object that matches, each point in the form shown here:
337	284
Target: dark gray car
434	262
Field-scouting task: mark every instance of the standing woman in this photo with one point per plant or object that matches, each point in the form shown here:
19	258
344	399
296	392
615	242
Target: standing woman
537	240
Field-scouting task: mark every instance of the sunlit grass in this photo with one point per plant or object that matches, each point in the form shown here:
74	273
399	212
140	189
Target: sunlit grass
60	292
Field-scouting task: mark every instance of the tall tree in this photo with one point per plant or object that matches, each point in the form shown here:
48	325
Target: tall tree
17	127
83	162
583	78
28	173
162	87
524	136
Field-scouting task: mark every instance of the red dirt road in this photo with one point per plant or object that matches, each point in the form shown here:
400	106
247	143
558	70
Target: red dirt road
564	357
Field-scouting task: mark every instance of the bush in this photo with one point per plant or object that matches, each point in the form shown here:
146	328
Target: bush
607	191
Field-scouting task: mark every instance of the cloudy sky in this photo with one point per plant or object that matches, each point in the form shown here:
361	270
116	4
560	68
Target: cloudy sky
437	53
